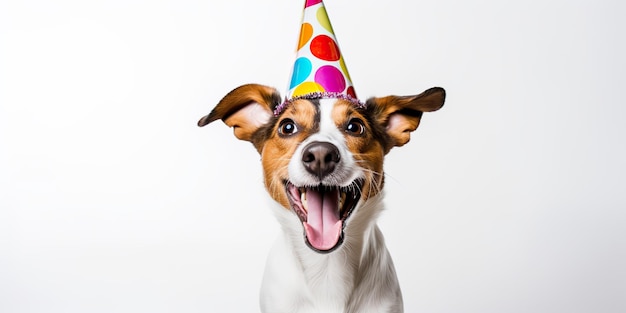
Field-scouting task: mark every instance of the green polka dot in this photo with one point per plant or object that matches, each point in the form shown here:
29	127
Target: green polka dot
322	17
344	69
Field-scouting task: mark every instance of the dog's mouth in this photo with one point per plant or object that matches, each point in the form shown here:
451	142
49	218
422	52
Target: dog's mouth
323	211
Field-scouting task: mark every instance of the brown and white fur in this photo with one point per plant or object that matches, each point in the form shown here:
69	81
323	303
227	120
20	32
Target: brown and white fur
331	151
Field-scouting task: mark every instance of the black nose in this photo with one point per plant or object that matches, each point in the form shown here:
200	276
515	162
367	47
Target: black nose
320	158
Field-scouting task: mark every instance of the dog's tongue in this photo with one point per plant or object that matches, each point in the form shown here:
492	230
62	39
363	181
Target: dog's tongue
323	226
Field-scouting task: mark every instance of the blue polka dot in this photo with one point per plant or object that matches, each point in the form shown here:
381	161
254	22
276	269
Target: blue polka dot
301	70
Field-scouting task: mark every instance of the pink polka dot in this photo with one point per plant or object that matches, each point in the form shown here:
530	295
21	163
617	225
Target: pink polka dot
311	2
325	48
330	78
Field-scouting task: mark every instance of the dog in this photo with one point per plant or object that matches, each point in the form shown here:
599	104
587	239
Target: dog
322	162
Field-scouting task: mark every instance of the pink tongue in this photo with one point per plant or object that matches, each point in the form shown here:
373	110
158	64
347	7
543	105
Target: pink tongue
323	226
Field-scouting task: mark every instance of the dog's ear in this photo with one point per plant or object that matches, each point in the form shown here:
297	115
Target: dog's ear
245	109
399	116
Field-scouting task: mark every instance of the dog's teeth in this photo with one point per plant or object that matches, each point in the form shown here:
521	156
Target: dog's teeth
303	199
342	200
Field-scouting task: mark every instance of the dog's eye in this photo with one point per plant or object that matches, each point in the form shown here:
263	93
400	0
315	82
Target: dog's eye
287	127
355	127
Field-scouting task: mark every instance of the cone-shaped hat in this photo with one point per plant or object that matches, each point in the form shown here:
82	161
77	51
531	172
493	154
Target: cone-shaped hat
319	70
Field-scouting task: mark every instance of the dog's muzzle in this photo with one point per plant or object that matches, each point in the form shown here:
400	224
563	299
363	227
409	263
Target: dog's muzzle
322	208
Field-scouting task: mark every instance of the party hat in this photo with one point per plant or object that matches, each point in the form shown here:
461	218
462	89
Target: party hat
319	70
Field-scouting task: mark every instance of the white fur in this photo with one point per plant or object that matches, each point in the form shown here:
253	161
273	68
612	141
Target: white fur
357	277
345	172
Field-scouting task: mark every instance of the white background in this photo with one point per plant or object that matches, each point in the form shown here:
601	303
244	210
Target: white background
509	199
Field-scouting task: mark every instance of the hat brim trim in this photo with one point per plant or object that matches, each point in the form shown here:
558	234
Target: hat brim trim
319	95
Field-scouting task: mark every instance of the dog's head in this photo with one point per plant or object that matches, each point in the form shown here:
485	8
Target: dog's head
322	157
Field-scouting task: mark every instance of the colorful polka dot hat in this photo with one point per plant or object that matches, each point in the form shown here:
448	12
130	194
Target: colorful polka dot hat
319	70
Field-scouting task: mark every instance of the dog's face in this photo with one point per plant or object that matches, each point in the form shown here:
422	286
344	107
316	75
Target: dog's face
322	157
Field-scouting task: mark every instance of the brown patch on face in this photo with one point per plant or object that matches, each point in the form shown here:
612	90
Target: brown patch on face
279	145
365	144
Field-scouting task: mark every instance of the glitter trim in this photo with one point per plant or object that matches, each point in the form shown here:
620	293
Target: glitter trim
319	95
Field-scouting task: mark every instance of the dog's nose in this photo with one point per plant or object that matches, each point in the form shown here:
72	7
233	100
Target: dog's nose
320	158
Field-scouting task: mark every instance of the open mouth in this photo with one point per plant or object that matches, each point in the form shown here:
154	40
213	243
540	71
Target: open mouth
323	211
